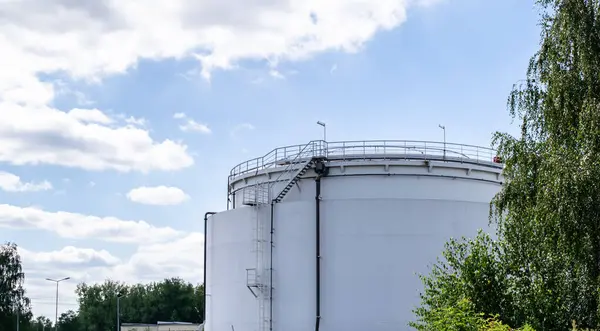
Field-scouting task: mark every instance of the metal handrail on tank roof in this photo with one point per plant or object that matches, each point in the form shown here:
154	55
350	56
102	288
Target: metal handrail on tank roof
367	149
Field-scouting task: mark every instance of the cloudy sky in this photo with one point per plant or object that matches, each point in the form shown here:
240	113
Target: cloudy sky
120	119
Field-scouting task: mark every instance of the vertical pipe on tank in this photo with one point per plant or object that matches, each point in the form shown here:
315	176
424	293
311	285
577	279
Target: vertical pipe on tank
318	250
271	272
205	246
321	170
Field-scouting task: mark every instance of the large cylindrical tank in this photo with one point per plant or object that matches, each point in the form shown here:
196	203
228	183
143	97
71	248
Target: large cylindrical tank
332	236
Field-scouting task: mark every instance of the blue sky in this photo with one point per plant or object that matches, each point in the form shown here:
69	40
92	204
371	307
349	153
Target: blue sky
449	62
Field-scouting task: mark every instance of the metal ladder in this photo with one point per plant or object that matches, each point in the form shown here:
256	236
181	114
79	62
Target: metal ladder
257	279
259	195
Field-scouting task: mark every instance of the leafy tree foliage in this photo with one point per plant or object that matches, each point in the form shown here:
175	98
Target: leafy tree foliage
461	316
549	209
470	270
41	323
69	321
545	268
170	300
13	301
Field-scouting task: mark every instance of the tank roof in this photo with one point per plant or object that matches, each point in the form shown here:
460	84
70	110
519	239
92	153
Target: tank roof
368	150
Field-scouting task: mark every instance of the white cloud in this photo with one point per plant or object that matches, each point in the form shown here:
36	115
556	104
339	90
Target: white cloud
192	125
276	74
79	226
62	89
70	256
90	40
159	195
136	121
158	261
12	183
241	127
428	3
80	264
257	80
49	136
90	116
149	262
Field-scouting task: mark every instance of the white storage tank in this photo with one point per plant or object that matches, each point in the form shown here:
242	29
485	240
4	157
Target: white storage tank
330	236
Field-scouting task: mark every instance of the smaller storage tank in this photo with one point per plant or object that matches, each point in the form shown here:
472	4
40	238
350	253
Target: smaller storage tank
330	236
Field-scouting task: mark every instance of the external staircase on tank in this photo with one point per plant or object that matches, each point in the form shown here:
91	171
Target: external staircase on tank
305	166
258	279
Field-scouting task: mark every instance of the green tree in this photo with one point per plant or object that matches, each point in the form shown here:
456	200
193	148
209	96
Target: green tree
462	316
471	270
170	300
546	267
69	321
199	303
13	301
41	323
458	316
98	305
548	212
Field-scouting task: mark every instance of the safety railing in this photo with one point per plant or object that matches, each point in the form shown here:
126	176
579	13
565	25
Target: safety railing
256	194
308	151
372	149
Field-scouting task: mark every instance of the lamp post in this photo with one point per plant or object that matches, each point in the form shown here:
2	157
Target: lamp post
324	129
119	296
443	127
18	308
57	281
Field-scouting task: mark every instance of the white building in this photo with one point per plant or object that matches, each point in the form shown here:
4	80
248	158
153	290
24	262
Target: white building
161	326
